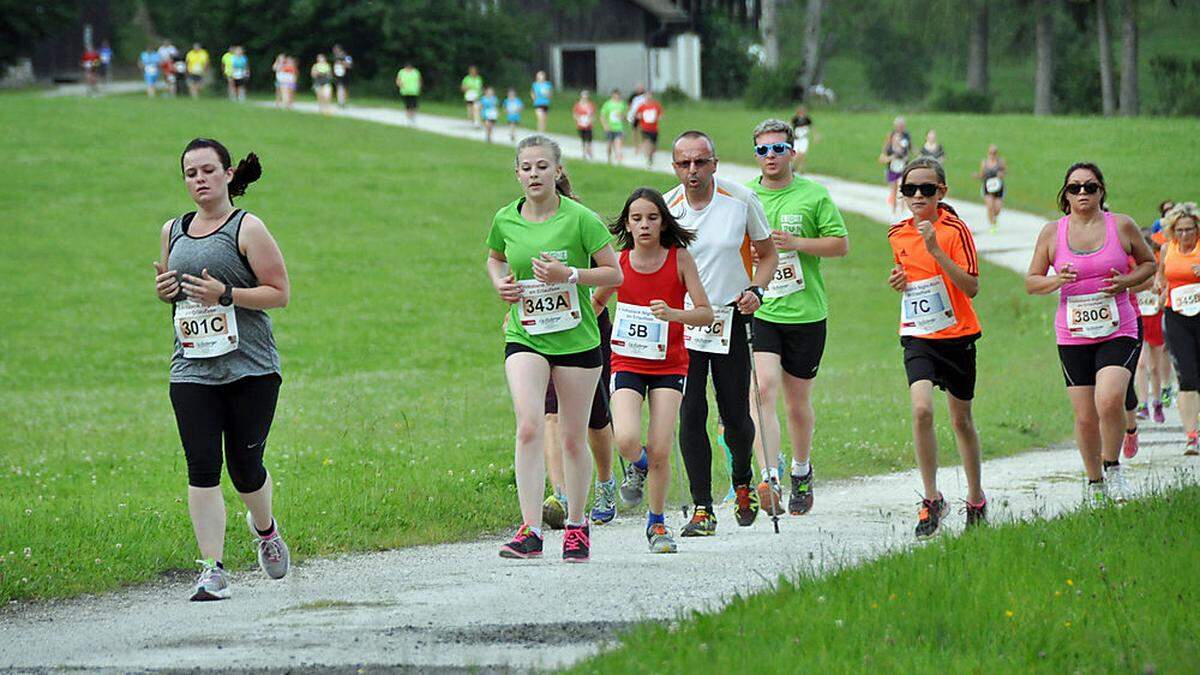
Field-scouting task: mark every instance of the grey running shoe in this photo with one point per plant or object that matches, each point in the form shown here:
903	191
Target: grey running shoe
660	538
1118	488
801	500
273	555
631	487
212	584
604	509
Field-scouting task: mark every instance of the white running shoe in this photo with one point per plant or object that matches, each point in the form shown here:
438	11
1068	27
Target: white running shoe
273	555
1118	487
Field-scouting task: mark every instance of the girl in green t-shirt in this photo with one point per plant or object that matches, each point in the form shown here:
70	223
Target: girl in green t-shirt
541	251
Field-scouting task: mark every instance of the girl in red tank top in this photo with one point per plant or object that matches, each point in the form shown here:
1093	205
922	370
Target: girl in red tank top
649	362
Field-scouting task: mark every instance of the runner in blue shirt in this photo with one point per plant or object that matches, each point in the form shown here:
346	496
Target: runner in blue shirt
540	92
490	109
512	110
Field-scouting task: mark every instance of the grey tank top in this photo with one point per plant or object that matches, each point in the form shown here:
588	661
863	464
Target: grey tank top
219	253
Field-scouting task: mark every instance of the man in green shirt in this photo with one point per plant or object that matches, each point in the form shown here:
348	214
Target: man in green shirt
789	328
408	80
612	118
472	89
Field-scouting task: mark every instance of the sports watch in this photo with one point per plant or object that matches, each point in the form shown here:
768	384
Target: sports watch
756	290
227	297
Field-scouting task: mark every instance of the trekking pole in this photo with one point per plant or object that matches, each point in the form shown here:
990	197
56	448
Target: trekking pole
774	480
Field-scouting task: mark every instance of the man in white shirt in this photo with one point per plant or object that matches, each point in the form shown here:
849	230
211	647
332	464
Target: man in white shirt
728	219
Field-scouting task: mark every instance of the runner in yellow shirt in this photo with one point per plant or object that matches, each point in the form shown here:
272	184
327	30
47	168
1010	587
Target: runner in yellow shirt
197	65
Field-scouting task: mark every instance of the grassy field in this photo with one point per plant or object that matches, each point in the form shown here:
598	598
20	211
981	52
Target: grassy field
1109	590
394	425
1145	159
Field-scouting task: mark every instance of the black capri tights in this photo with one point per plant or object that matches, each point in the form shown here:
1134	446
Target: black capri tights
1183	341
240	411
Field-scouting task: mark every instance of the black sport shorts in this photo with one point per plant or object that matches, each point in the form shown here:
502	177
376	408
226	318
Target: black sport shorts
948	363
410	102
799	345
651	136
585	135
1080	363
644	383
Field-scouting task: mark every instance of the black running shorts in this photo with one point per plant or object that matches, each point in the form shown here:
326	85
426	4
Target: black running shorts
799	345
948	363
644	383
1080	363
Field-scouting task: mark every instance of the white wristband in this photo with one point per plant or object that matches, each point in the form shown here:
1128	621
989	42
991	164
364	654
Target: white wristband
574	278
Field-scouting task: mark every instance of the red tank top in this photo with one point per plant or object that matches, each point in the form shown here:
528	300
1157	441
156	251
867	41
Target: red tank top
639	289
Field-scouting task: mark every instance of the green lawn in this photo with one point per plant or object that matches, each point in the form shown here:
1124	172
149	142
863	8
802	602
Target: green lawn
1145	159
1109	590
394	426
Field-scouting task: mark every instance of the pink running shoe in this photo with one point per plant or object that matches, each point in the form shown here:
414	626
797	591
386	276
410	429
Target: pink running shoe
524	545
1143	412
577	543
1158	413
1131	445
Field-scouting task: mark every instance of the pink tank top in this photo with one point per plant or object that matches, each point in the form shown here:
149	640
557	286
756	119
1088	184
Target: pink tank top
1091	271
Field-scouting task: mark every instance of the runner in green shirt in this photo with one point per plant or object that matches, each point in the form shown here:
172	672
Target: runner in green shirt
612	118
472	89
789	328
541	253
408	80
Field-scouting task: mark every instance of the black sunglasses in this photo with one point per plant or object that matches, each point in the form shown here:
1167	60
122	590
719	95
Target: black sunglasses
1089	187
687	163
777	148
926	189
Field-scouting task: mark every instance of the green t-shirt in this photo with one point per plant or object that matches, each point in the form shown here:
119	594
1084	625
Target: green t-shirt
472	85
613	112
805	209
572	235
410	81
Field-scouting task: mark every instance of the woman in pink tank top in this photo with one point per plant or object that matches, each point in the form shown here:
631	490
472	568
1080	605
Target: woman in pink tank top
1096	323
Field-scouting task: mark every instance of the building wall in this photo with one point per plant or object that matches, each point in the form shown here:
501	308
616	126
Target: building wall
622	65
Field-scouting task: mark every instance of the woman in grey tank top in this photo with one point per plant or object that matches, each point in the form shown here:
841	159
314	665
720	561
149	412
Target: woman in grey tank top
220	270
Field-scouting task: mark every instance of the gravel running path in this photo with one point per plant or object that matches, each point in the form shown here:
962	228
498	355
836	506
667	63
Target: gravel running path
459	606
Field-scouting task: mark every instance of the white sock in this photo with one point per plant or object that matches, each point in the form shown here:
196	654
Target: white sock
537	531
800	470
574	524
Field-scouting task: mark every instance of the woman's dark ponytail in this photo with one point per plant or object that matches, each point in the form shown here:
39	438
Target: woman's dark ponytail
248	170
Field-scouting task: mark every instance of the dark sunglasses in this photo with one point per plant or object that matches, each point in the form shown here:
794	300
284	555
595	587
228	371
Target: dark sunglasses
1089	187
777	148
926	189
687	163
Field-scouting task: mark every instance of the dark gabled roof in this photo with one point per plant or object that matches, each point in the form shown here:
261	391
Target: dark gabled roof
665	10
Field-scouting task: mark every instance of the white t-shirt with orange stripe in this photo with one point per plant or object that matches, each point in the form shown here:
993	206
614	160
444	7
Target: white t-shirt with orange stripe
724	229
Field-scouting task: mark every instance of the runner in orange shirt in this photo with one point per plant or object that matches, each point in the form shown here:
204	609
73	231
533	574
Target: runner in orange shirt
1179	277
584	113
649	115
937	271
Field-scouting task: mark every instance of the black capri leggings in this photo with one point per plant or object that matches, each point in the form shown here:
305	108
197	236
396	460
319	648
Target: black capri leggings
1183	341
242	412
